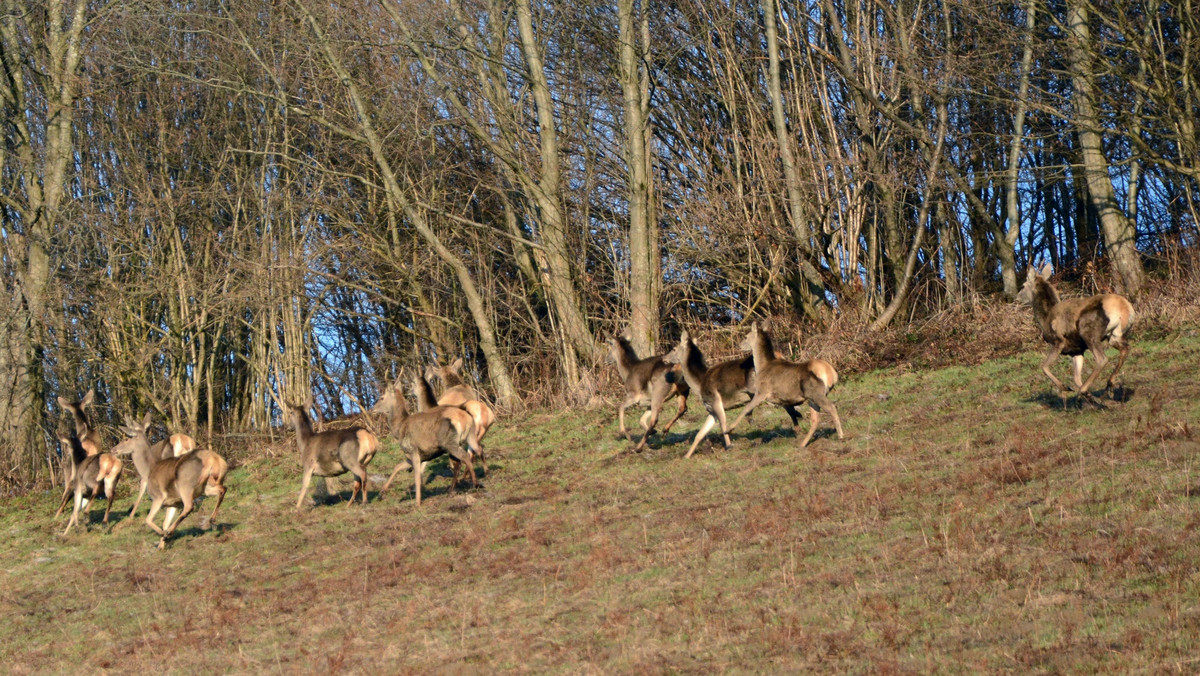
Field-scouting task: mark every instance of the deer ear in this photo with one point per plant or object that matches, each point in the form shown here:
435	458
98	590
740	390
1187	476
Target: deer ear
456	364
146	422
62	401
87	398
1047	271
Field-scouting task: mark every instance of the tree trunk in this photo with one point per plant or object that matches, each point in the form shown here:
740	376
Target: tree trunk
643	243
1120	238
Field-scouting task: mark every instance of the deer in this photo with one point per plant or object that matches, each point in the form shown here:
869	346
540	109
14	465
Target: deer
88	436
90	472
649	381
174	481
1076	325
146	455
427	434
789	384
426	401
722	387
332	453
457	393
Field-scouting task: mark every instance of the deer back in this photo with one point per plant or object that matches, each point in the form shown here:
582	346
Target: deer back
173	478
733	379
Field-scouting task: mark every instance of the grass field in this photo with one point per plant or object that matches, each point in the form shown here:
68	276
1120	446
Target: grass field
967	523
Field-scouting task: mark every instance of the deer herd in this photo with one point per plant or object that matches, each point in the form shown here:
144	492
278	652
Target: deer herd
176	473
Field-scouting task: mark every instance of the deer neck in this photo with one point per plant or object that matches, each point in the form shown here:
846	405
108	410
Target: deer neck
761	349
143	458
1044	300
82	427
625	357
399	414
425	398
693	367
304	430
78	453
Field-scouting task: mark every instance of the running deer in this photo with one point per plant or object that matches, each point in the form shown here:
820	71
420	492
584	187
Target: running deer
722	387
145	455
174	481
790	384
88	436
427	434
1074	326
426	401
457	393
90	472
332	453
649	381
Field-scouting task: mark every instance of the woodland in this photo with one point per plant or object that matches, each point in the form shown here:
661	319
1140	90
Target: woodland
209	208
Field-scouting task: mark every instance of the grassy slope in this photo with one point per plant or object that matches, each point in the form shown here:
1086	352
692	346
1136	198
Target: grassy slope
967	523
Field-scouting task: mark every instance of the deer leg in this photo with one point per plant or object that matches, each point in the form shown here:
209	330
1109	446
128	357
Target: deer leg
720	409
470	465
63	504
1077	371
138	501
155	505
795	416
110	488
308	473
1101	362
416	463
682	410
75	511
399	466
220	489
814	419
825	405
475	447
649	420
759	397
189	504
1124	352
621	419
1050	358
701	433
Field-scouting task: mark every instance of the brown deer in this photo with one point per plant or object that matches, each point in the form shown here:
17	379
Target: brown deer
1076	325
175	481
649	381
146	455
722	387
88	436
427	434
332	453
89	474
457	393
426	401
790	384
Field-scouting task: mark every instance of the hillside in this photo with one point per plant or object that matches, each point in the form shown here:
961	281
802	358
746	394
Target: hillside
966	523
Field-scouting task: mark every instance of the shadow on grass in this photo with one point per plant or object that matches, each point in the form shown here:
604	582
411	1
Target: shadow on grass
1075	402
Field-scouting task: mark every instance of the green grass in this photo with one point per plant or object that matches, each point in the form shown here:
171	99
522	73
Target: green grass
967	523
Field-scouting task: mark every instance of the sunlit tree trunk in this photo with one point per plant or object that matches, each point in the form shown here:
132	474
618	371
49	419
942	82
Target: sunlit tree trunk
1120	238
